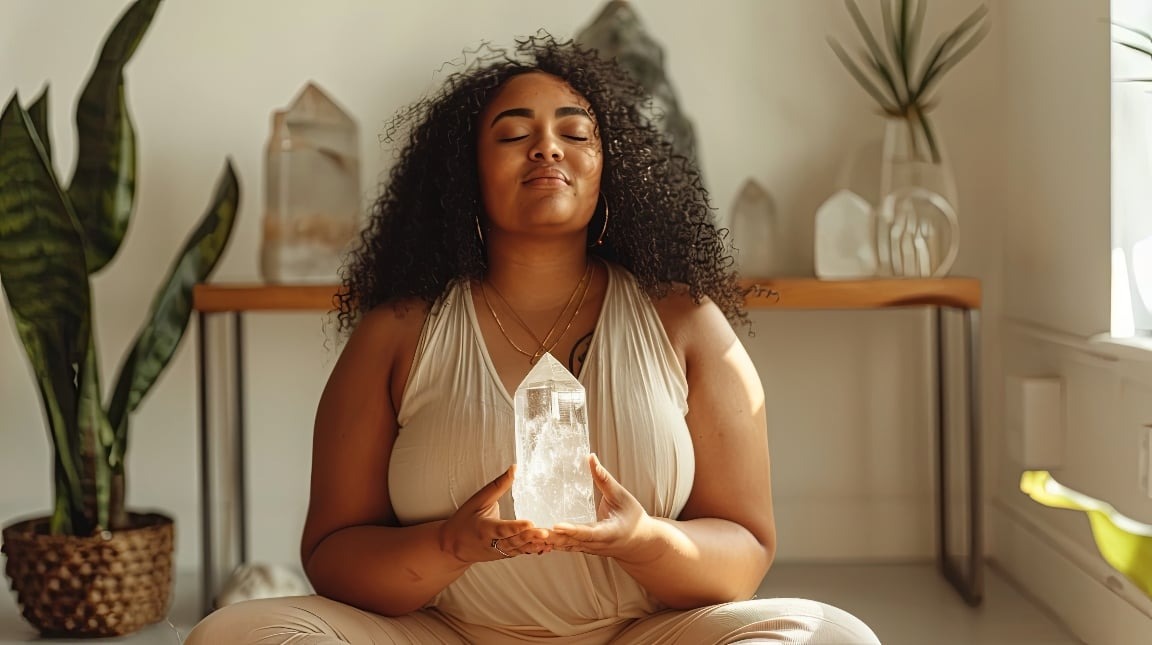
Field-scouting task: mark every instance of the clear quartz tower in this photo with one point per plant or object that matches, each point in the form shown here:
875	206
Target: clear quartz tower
553	483
312	190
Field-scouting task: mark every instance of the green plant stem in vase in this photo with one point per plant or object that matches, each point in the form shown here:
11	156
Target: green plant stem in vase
917	230
889	69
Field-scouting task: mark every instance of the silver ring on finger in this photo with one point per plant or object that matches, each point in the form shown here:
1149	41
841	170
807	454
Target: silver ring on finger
496	546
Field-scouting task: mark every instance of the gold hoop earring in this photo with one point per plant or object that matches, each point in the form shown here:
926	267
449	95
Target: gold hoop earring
604	229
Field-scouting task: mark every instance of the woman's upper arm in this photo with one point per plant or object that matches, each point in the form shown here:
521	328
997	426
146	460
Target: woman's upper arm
727	421
355	429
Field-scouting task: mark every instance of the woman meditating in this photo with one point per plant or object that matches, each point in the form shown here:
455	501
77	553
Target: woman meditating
534	210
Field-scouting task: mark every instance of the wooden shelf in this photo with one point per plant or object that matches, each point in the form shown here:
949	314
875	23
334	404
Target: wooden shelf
768	293
871	293
216	298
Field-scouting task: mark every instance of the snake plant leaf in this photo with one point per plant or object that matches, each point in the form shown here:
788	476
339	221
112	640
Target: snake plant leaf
865	31
886	74
929	134
55	381
39	241
869	39
38	113
869	86
96	440
915	27
895	39
61	521
907	38
894	67
43	274
953	58
947	52
172	307
103	187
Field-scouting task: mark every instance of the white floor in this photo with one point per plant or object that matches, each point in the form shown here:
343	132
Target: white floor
913	605
904	604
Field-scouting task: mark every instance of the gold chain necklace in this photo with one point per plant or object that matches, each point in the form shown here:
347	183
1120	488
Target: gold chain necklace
543	345
523	325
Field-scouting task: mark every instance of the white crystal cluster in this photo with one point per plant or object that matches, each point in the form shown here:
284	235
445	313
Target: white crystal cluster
553	483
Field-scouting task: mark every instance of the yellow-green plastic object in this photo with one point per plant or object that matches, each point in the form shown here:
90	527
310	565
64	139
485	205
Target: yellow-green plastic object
1125	543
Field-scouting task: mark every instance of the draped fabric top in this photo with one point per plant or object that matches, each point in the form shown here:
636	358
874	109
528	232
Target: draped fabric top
457	433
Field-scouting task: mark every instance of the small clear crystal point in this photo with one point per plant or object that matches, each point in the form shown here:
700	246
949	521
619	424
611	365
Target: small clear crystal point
553	483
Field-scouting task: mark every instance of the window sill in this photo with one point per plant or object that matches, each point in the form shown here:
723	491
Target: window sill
1137	348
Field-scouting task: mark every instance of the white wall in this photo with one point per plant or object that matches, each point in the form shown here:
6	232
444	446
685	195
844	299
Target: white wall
846	391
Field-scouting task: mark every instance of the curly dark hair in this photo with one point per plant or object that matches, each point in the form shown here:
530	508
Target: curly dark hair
422	234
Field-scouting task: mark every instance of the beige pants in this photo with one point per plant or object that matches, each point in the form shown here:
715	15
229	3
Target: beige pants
314	620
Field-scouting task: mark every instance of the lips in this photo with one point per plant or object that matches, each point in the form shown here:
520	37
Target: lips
546	176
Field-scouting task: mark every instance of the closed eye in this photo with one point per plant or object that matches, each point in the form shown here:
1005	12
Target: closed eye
575	138
511	139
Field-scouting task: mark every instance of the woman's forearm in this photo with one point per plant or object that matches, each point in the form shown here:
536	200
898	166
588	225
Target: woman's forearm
699	562
385	570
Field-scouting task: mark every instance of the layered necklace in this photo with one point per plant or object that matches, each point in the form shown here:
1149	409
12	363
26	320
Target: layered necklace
548	343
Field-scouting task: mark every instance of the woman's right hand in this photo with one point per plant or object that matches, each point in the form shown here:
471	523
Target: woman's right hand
469	534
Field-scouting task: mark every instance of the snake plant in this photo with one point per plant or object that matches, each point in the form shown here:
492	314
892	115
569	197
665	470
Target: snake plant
891	73
53	238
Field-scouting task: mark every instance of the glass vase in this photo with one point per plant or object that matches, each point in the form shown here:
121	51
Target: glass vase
917	225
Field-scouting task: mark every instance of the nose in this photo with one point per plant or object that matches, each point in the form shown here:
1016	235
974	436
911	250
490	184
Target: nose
546	148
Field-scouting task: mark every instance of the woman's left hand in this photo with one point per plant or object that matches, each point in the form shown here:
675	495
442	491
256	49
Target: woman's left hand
623	530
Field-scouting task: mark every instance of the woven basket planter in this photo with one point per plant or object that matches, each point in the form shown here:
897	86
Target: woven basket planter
104	585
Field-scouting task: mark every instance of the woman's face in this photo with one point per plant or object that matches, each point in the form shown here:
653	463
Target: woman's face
539	157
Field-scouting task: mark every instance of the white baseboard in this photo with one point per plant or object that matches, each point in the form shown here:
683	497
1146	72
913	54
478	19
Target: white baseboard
1097	603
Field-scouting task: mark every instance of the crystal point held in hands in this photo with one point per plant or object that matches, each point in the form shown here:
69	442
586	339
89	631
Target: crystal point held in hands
553	483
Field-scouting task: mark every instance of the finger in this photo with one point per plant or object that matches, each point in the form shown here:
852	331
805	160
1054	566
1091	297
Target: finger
502	548
504	529
522	544
561	540
520	531
568	533
495	489
572	544
603	479
528	546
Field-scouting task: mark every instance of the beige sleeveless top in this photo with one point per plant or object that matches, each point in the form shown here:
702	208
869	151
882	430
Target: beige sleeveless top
457	433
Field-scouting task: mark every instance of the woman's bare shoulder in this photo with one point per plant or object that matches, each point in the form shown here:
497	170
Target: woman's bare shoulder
378	354
392	321
686	319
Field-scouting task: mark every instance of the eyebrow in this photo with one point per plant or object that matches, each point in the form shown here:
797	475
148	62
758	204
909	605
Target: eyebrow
529	113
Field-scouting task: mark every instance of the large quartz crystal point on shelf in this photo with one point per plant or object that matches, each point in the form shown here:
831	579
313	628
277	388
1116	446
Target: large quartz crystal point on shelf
312	191
553	483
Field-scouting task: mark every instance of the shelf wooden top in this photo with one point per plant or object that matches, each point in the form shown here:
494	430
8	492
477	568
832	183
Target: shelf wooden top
767	293
211	298
870	293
